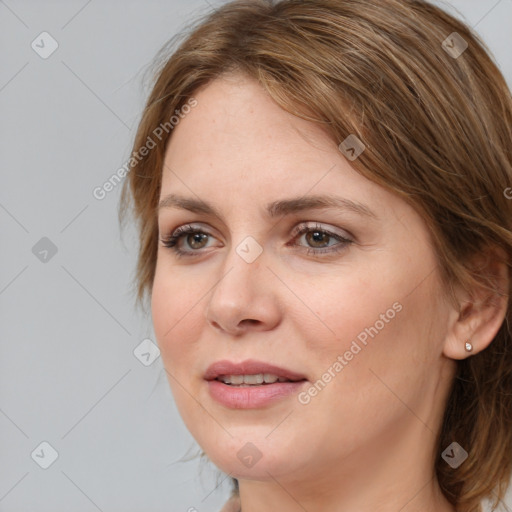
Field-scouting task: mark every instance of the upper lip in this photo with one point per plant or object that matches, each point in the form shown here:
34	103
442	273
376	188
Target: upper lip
249	367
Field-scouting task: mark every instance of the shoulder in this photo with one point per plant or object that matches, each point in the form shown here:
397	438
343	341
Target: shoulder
232	505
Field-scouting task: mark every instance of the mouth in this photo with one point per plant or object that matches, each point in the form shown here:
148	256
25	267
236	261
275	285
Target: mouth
250	373
251	384
259	379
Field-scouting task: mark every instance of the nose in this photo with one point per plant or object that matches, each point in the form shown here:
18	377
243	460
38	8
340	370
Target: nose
245	297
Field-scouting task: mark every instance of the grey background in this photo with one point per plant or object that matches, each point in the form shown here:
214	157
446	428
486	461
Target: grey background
68	371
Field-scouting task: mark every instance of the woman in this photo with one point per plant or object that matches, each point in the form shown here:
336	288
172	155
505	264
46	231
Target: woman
325	236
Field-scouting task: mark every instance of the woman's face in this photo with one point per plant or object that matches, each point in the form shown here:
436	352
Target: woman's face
271	279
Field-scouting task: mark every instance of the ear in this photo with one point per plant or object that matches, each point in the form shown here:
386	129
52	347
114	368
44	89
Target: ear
481	311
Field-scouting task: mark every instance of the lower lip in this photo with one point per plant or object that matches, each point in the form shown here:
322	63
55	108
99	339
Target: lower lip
252	397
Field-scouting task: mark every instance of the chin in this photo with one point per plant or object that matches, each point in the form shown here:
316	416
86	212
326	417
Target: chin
252	457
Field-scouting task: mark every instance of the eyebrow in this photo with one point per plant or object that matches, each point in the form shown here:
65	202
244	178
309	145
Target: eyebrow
273	209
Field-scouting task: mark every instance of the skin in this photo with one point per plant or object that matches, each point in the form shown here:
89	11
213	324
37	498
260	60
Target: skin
365	442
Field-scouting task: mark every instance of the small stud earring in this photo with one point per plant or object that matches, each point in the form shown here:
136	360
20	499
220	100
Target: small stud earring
469	347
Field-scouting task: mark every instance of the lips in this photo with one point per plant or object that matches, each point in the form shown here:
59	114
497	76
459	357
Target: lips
224	380
250	367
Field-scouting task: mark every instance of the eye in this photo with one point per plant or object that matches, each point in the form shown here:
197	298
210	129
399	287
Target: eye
315	236
195	237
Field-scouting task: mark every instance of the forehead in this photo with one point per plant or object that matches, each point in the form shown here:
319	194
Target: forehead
235	118
238	149
237	132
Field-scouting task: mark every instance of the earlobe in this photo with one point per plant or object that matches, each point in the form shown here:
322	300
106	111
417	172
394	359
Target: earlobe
458	341
476	324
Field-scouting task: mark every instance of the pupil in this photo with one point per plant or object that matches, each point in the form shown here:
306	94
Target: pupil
318	236
197	237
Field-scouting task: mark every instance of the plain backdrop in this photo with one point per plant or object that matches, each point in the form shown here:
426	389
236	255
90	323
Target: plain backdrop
74	395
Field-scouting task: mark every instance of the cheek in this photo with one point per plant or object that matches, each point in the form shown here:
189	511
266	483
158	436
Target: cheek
346	302
175	321
378	314
175	311
381	332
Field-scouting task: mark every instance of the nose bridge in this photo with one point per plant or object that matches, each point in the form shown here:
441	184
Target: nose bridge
245	251
243	264
241	293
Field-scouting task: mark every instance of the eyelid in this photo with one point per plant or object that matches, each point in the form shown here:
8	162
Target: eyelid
171	241
297	230
184	228
312	225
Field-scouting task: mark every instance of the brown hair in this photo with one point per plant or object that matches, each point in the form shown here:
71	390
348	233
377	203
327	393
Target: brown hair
437	129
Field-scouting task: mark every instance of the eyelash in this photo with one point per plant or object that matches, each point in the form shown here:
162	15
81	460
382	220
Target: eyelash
172	240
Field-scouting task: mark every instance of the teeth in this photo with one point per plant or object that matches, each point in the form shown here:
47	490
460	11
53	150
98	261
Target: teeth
267	377
251	380
236	379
